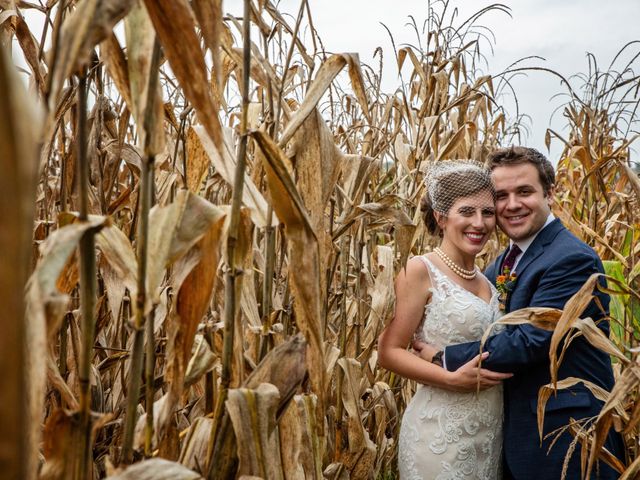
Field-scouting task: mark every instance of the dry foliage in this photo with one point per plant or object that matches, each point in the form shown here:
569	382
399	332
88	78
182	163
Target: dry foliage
222	341
598	198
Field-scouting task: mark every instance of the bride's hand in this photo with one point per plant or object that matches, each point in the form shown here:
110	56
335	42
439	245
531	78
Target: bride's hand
467	377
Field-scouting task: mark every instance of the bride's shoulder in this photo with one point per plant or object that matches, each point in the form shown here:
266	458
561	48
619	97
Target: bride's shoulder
417	269
419	263
414	279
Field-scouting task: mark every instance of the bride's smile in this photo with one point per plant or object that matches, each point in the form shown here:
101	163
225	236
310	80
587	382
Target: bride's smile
467	226
476	237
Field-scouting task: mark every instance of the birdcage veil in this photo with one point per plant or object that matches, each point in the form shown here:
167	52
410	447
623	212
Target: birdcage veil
448	180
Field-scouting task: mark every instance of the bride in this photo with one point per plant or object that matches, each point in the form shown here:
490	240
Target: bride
449	431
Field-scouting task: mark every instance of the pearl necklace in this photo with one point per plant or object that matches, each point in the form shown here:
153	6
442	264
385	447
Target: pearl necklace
457	269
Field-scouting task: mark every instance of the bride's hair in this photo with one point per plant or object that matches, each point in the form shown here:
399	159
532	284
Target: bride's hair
446	182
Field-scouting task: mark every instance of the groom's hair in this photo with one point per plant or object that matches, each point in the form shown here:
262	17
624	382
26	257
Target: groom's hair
517	155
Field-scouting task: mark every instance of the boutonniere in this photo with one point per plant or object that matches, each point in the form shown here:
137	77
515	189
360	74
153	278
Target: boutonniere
505	284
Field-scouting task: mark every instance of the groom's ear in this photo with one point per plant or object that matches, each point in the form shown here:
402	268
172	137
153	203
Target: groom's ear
550	194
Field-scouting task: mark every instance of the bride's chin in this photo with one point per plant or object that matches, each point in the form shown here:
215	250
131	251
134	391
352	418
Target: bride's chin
475	247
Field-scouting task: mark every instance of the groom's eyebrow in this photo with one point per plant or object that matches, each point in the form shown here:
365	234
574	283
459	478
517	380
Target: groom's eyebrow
518	188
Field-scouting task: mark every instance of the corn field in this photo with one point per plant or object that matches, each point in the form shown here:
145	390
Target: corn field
202	215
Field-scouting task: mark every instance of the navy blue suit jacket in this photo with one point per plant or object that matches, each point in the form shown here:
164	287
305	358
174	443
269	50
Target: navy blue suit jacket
551	271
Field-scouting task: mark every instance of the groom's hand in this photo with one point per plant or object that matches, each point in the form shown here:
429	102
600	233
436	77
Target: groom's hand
424	350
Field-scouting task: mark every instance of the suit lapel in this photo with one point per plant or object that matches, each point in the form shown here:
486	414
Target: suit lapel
533	252
496	266
544	238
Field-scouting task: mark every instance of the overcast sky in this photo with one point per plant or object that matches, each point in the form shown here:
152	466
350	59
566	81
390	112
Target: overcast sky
560	31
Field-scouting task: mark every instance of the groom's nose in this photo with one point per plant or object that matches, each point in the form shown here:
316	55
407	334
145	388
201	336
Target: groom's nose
512	202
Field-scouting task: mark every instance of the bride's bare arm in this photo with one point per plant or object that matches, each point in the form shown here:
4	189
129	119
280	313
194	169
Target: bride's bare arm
412	294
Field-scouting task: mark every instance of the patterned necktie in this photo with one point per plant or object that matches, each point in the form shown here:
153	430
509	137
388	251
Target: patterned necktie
510	259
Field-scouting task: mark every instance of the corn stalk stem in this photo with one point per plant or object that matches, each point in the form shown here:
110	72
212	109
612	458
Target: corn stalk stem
330	272
267	288
233	271
81	146
359	289
269	231
138	341
344	276
146	195
133	393
149	393
287	63
64	345
87	289
150	357
209	378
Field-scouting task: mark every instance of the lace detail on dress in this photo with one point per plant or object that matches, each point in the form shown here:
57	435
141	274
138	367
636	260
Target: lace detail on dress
448	435
455	314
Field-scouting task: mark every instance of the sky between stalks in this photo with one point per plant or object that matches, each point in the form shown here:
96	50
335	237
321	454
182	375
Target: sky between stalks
561	32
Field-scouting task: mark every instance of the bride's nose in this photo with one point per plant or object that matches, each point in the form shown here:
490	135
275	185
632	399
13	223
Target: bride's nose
477	221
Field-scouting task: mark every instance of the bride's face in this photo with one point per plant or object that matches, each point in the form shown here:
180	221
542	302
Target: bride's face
469	222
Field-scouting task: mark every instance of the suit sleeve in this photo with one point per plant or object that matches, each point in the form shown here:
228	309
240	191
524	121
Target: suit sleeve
520	346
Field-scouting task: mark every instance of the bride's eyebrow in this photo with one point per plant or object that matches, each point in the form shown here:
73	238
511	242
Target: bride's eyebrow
466	209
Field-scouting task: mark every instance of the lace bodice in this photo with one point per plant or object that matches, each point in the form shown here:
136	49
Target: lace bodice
448	435
454	314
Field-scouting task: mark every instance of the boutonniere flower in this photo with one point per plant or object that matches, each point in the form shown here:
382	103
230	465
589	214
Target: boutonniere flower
505	284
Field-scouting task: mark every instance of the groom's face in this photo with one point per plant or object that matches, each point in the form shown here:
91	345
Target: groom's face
522	207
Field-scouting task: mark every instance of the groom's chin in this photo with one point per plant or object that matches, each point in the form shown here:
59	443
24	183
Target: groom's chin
514	232
504	230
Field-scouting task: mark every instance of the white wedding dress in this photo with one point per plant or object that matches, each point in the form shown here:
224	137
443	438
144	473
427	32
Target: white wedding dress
448	435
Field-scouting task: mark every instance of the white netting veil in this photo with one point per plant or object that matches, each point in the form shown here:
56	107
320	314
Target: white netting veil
449	180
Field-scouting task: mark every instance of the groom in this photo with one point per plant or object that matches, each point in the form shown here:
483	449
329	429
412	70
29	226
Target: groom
550	266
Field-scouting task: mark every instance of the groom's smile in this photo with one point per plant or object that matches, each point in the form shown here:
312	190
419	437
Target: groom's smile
515	221
521	204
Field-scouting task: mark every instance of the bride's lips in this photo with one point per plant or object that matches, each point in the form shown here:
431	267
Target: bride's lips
474	237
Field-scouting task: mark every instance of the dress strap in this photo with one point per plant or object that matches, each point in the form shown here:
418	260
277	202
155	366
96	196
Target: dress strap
431	271
440	282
